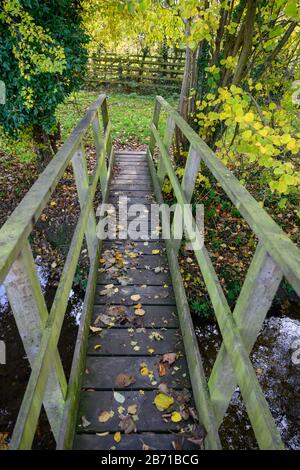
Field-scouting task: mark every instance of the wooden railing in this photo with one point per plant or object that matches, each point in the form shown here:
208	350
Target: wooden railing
39	329
144	70
276	256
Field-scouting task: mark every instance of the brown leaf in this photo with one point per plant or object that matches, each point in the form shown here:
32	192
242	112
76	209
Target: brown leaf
127	424
170	358
161	370
178	443
124	380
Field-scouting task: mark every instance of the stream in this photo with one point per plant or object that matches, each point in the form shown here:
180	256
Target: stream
271	357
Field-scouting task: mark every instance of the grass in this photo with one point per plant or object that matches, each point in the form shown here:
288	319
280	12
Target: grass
130	116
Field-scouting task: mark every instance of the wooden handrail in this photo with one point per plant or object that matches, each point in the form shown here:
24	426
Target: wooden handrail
19	225
40	332
280	247
240	329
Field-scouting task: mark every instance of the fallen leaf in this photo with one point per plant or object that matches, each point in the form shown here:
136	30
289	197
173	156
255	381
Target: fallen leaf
144	371
102	434
124	380
84	422
170	358
132	409
163	402
161	370
95	329
176	417
97	346
155	252
105	416
117	436
135	297
127	424
139	312
119	397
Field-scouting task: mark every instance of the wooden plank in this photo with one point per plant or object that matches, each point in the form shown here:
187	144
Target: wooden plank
134	276
130	442
144	248
118	342
119	186
189	181
101	373
150	419
149	295
158	316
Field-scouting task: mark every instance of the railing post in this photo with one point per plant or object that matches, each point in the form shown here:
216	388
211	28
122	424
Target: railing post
100	152
168	137
255	299
105	119
155	121
82	185
188	183
30	312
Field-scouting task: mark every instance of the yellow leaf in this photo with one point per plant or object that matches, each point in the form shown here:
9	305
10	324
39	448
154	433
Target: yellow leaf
155	252
135	297
139	312
176	417
163	402
117	436
105	416
144	371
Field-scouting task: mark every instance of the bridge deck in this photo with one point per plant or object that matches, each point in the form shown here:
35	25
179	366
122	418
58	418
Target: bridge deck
127	355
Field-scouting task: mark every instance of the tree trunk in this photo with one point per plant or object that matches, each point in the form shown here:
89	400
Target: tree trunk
186	102
42	146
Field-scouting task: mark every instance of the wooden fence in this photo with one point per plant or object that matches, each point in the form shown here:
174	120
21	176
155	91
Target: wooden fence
136	70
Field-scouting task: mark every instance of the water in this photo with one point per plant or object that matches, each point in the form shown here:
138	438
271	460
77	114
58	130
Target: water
271	358
15	374
278	375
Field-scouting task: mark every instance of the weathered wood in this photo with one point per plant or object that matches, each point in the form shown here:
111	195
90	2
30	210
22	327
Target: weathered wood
100	150
82	185
101	373
150	295
19	225
158	316
29	413
30	312
167	141
150	419
284	252
118	342
259	414
161	441
194	360
260	286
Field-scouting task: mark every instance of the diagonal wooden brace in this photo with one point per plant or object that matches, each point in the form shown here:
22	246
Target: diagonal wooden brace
28	305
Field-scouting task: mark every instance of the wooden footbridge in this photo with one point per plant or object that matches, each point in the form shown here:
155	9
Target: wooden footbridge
137	380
